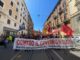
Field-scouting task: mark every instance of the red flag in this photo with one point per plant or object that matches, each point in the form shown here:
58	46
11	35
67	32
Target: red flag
66	29
48	28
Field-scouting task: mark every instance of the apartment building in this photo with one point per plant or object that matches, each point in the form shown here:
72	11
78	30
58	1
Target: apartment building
74	11
30	25
13	16
59	14
23	26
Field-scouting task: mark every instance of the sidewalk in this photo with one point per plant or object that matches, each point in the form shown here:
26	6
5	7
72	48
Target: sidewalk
76	53
78	47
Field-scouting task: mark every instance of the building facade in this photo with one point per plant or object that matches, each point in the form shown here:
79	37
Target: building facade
13	16
23	25
74	11
8	16
59	14
30	25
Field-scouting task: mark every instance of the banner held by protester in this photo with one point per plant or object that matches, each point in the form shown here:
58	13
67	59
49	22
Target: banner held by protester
31	44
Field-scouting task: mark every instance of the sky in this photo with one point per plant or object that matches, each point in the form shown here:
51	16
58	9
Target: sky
39	11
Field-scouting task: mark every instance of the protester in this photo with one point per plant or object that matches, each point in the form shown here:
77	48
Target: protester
3	40
66	31
9	38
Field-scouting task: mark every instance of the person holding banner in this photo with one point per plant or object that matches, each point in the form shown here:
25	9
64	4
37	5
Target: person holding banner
66	30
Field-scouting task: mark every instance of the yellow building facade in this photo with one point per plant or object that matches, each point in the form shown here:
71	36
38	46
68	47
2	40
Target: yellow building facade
58	15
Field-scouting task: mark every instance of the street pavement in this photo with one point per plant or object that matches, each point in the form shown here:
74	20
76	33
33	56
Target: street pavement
6	53
49	54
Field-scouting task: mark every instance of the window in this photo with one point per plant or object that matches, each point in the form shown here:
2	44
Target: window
15	24
23	12
22	32
0	15
17	3
24	18
8	21
20	14
20	20
21	9
11	3
10	12
16	9
1	3
22	4
79	18
24	9
70	0
23	23
15	17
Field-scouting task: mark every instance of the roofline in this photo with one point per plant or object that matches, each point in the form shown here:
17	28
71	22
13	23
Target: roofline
28	12
53	10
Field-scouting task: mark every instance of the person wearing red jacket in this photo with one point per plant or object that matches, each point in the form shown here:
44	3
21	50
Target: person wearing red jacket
67	30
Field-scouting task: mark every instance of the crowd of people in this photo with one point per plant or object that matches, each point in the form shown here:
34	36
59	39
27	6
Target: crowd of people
8	38
5	39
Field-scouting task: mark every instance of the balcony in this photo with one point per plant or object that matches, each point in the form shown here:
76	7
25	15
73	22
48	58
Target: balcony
60	12
55	17
22	26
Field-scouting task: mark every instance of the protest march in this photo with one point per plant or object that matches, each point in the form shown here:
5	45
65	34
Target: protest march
32	44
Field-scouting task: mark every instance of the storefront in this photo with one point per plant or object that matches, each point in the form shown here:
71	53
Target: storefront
8	31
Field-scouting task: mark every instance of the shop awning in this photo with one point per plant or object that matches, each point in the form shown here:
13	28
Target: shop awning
9	29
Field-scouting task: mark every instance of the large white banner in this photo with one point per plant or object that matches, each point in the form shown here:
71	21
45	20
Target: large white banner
31	44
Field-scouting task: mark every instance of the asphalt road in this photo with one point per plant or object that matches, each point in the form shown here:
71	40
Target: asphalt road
49	54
